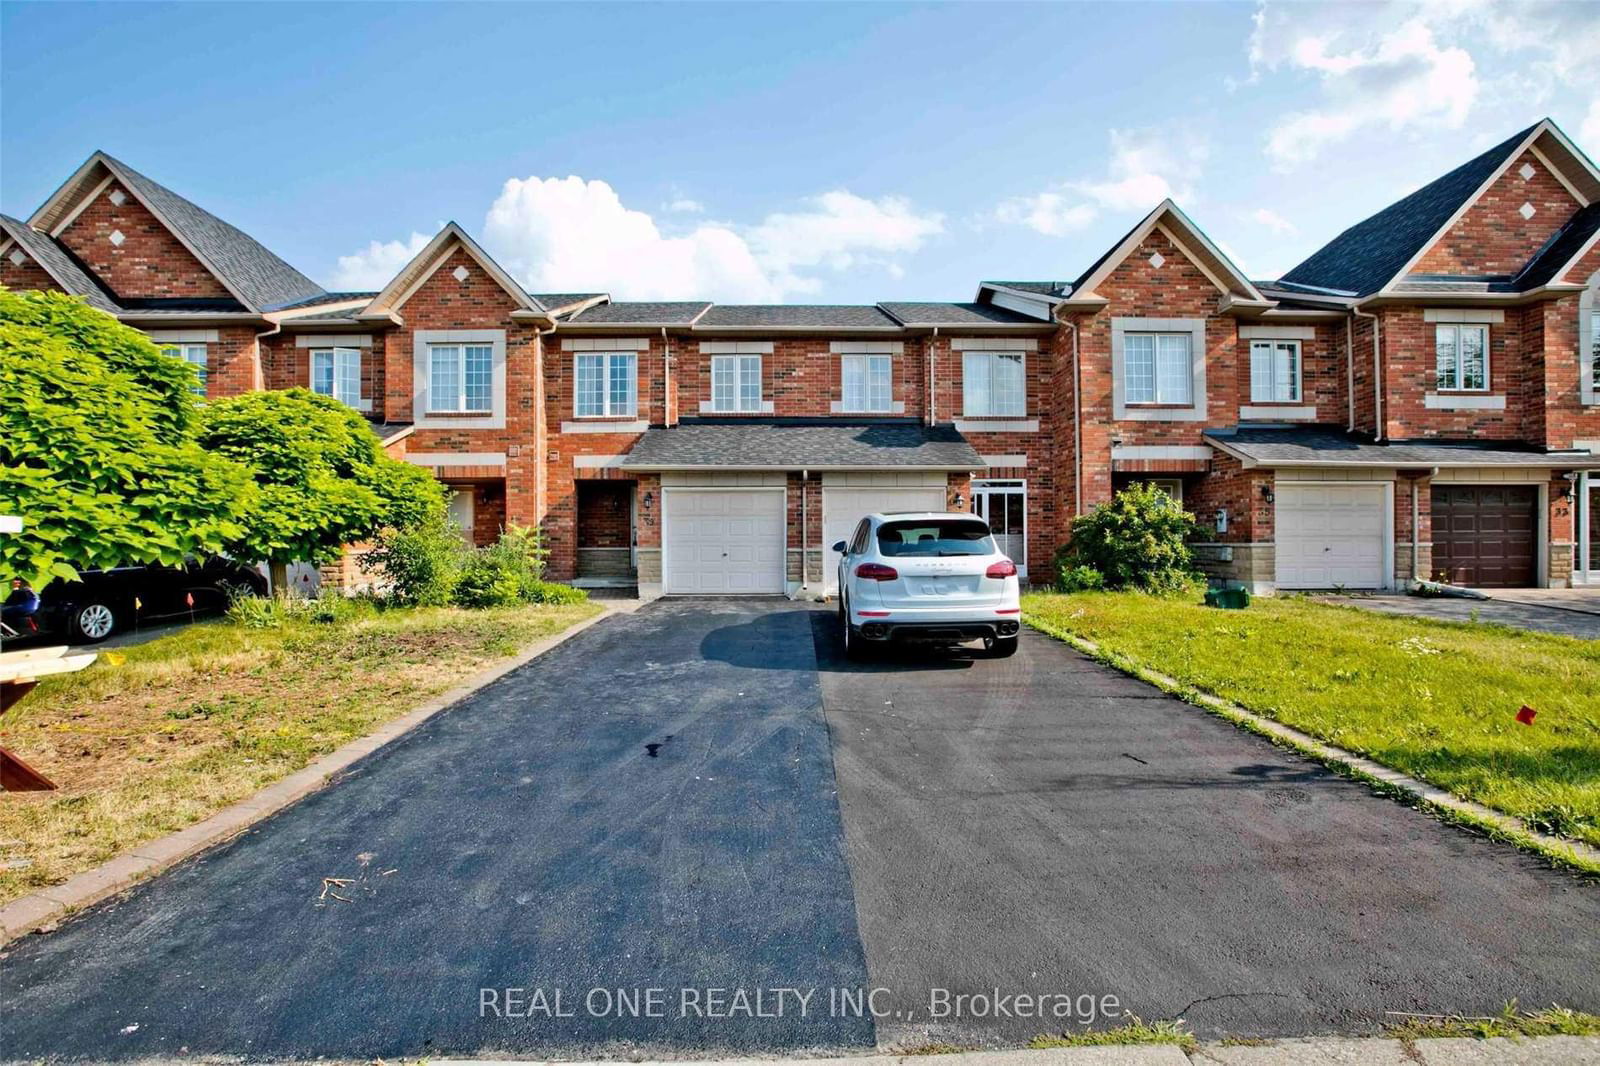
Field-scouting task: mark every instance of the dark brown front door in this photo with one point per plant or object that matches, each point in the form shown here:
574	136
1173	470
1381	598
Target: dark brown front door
1484	535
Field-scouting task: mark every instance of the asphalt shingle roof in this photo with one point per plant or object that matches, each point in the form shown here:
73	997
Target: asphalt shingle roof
643	313
263	279
555	301
1562	246
1321	446
1043	288
795	316
1364	257
59	263
958	314
811	446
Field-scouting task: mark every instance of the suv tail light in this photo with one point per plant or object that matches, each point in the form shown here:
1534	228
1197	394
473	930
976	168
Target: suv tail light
1004	568
877	572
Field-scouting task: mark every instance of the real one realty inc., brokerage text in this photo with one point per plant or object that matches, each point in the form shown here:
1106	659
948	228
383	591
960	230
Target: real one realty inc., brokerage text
735	1003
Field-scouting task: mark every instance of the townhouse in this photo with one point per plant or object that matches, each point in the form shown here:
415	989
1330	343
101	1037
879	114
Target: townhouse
1418	399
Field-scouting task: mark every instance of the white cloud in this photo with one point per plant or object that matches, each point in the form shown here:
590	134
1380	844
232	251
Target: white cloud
1273	221
1589	132
686	206
558	233
376	265
1146	167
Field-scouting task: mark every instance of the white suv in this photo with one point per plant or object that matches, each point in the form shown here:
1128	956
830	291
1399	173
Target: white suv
928	577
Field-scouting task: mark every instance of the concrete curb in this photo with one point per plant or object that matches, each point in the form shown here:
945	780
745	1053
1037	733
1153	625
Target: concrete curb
48	905
1327	1051
1572	852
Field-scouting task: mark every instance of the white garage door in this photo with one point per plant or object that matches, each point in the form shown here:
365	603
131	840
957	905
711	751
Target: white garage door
1330	535
728	542
842	509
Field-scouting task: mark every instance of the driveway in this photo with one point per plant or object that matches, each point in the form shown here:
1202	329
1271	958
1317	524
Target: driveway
1572	617
705	795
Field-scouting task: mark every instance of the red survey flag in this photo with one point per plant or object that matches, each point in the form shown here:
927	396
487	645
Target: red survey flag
1525	716
188	597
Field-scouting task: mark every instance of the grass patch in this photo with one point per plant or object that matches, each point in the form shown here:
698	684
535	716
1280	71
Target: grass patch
1134	1031
1436	700
934	1049
203	717
1510	1022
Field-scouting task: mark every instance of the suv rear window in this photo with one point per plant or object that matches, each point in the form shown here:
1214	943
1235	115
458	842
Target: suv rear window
954	536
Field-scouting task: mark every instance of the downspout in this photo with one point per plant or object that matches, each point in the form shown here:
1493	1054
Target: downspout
1350	372
805	532
1377	374
666	376
933	403
1077	424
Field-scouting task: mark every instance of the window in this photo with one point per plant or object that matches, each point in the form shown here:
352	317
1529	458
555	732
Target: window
1275	371
336	372
606	385
736	383
937	538
1463	357
1157	368
195	356
460	378
1594	348
866	382
992	384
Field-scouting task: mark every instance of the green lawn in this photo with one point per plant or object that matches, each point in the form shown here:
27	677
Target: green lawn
1434	699
188	723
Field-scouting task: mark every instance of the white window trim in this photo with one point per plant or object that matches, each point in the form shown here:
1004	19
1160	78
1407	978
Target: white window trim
1588	322
737	362
844	406
461	380
1488	369
421	379
333	353
1299	372
185	350
607	411
1195	410
993	353
1155	367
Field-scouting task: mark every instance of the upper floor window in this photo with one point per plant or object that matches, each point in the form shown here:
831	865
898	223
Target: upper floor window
1157	368
1274	371
336	372
1462	354
867	382
195	356
1594	347
606	385
736	383
460	378
992	383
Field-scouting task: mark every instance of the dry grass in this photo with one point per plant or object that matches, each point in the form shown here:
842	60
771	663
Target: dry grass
199	719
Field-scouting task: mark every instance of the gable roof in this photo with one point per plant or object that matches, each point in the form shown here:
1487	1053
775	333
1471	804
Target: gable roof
1211	260
58	263
425	262
1375	252
1561	251
258	278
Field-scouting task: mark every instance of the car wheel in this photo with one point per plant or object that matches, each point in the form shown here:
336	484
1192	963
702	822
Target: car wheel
93	622
854	646
1002	647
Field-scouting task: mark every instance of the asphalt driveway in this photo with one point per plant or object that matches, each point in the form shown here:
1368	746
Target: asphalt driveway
704	795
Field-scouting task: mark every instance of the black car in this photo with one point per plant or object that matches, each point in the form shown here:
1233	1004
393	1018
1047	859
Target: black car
103	602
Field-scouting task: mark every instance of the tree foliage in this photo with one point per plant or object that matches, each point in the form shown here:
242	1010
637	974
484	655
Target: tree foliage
1137	540
322	479
96	448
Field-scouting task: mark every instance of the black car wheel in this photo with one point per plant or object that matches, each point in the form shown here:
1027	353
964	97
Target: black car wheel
93	622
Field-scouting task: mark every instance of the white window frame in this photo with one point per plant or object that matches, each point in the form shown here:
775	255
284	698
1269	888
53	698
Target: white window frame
1158	396
461	348
610	405
344	367
1594	350
971	407
867	401
197	356
736	384
1457	330
1267	391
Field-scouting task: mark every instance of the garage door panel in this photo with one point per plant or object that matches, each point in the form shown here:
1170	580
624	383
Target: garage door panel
1330	535
724	542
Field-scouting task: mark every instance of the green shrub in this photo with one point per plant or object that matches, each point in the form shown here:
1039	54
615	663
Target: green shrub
422	565
254	612
1137	540
1071	577
554	593
489	579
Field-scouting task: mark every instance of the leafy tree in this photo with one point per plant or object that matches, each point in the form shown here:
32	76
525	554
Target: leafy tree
1139	540
321	476
97	453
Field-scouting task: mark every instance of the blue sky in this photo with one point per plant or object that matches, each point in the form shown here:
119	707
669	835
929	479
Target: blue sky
803	153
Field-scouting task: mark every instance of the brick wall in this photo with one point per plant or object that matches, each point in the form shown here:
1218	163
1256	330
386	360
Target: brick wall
286	365
232	366
1493	237
27	275
603	514
149	263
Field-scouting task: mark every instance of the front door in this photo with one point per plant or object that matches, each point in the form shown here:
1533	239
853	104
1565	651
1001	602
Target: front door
1004	505
1587	565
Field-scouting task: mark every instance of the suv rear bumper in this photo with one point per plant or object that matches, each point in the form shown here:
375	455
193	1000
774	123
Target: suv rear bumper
951	632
